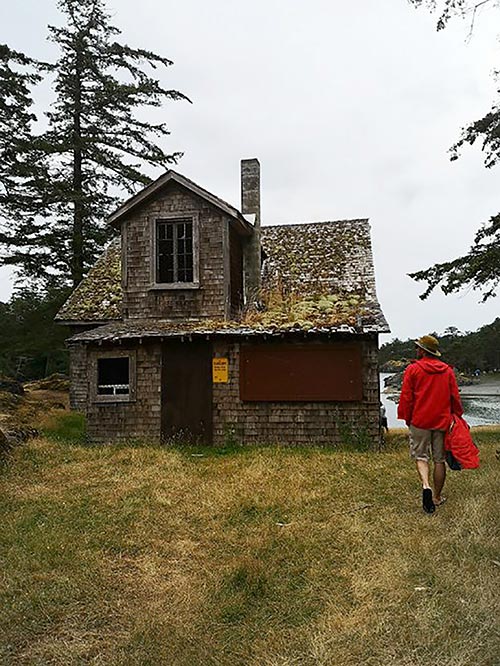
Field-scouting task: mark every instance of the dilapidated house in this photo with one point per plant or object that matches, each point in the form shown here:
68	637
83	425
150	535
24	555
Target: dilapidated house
199	324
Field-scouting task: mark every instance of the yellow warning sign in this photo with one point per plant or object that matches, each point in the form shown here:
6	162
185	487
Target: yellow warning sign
220	370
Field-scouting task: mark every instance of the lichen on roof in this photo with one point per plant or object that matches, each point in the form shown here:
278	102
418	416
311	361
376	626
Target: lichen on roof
98	297
317	258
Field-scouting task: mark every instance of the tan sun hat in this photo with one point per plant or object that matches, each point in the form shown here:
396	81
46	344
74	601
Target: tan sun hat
429	344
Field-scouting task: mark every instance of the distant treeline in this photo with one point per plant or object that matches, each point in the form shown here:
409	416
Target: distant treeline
468	352
31	343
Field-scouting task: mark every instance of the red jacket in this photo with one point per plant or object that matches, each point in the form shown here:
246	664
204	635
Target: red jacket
429	395
459	442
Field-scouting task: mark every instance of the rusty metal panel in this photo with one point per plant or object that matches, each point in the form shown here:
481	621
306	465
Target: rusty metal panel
301	372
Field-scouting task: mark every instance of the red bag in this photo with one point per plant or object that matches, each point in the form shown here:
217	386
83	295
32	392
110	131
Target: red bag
458	442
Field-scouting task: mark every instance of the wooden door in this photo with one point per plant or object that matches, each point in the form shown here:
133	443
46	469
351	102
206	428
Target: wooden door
187	392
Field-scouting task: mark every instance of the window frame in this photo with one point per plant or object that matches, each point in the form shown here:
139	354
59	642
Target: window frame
191	216
94	376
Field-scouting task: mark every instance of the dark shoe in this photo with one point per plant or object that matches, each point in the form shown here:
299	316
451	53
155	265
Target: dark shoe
427	501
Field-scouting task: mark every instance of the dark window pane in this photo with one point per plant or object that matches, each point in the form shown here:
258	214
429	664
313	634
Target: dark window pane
165	261
113	376
174	251
113	370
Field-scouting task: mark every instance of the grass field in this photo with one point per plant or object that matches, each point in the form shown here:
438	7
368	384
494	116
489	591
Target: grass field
124	555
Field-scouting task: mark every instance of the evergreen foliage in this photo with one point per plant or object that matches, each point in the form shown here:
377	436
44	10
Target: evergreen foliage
31	343
22	166
480	267
467	352
96	145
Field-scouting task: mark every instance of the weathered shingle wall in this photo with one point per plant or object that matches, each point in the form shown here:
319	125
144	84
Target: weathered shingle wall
126	420
211	298
78	377
331	423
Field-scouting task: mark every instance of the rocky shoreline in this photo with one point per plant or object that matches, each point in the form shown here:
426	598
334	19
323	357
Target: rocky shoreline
394	382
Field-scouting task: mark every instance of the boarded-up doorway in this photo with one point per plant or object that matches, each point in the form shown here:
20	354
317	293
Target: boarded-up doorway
187	392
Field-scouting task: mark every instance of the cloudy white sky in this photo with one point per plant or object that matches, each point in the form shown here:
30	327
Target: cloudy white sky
350	107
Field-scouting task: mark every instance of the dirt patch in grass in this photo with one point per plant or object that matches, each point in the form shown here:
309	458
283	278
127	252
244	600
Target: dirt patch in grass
146	555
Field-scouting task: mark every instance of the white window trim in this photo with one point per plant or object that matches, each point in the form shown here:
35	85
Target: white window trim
132	369
194	217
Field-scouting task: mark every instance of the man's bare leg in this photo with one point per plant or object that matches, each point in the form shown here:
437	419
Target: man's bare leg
439	479
423	472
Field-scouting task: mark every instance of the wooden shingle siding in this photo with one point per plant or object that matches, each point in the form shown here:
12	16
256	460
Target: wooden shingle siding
290	423
141	299
296	423
78	388
139	418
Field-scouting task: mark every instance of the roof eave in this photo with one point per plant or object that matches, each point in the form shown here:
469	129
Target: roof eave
85	322
243	331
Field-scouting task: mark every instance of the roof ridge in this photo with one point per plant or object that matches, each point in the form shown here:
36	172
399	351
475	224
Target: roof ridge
317	222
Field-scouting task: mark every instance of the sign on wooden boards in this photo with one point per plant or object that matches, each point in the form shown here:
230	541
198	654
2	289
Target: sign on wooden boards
220	370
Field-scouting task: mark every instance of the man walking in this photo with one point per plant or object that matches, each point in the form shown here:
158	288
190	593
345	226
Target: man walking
429	396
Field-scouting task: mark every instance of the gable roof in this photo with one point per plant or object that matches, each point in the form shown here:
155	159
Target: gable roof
172	176
317	277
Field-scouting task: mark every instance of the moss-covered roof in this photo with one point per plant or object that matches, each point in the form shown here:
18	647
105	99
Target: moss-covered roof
98	297
320	258
317	277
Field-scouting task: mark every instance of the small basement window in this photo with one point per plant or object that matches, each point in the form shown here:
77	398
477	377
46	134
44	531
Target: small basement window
113	376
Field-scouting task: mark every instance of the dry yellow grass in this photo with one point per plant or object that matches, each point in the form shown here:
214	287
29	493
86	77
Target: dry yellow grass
277	557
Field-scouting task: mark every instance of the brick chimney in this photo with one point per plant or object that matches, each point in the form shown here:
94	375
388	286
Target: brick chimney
250	206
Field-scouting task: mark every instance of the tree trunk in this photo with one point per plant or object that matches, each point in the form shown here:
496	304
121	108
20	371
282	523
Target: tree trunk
77	238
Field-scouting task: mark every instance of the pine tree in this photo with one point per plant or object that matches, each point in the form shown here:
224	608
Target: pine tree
22	165
96	144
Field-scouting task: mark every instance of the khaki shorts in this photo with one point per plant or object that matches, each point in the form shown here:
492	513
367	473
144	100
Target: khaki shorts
422	442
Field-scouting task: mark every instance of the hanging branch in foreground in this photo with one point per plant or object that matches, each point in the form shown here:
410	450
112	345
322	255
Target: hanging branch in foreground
479	269
449	8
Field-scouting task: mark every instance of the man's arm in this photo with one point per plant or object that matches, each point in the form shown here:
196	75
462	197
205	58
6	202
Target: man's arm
456	403
405	406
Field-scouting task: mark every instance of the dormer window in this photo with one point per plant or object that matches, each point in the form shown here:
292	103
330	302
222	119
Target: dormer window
175	252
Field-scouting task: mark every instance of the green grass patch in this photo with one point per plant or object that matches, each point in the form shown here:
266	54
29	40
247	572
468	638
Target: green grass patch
68	427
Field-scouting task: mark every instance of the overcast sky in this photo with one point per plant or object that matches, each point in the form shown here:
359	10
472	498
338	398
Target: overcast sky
350	108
